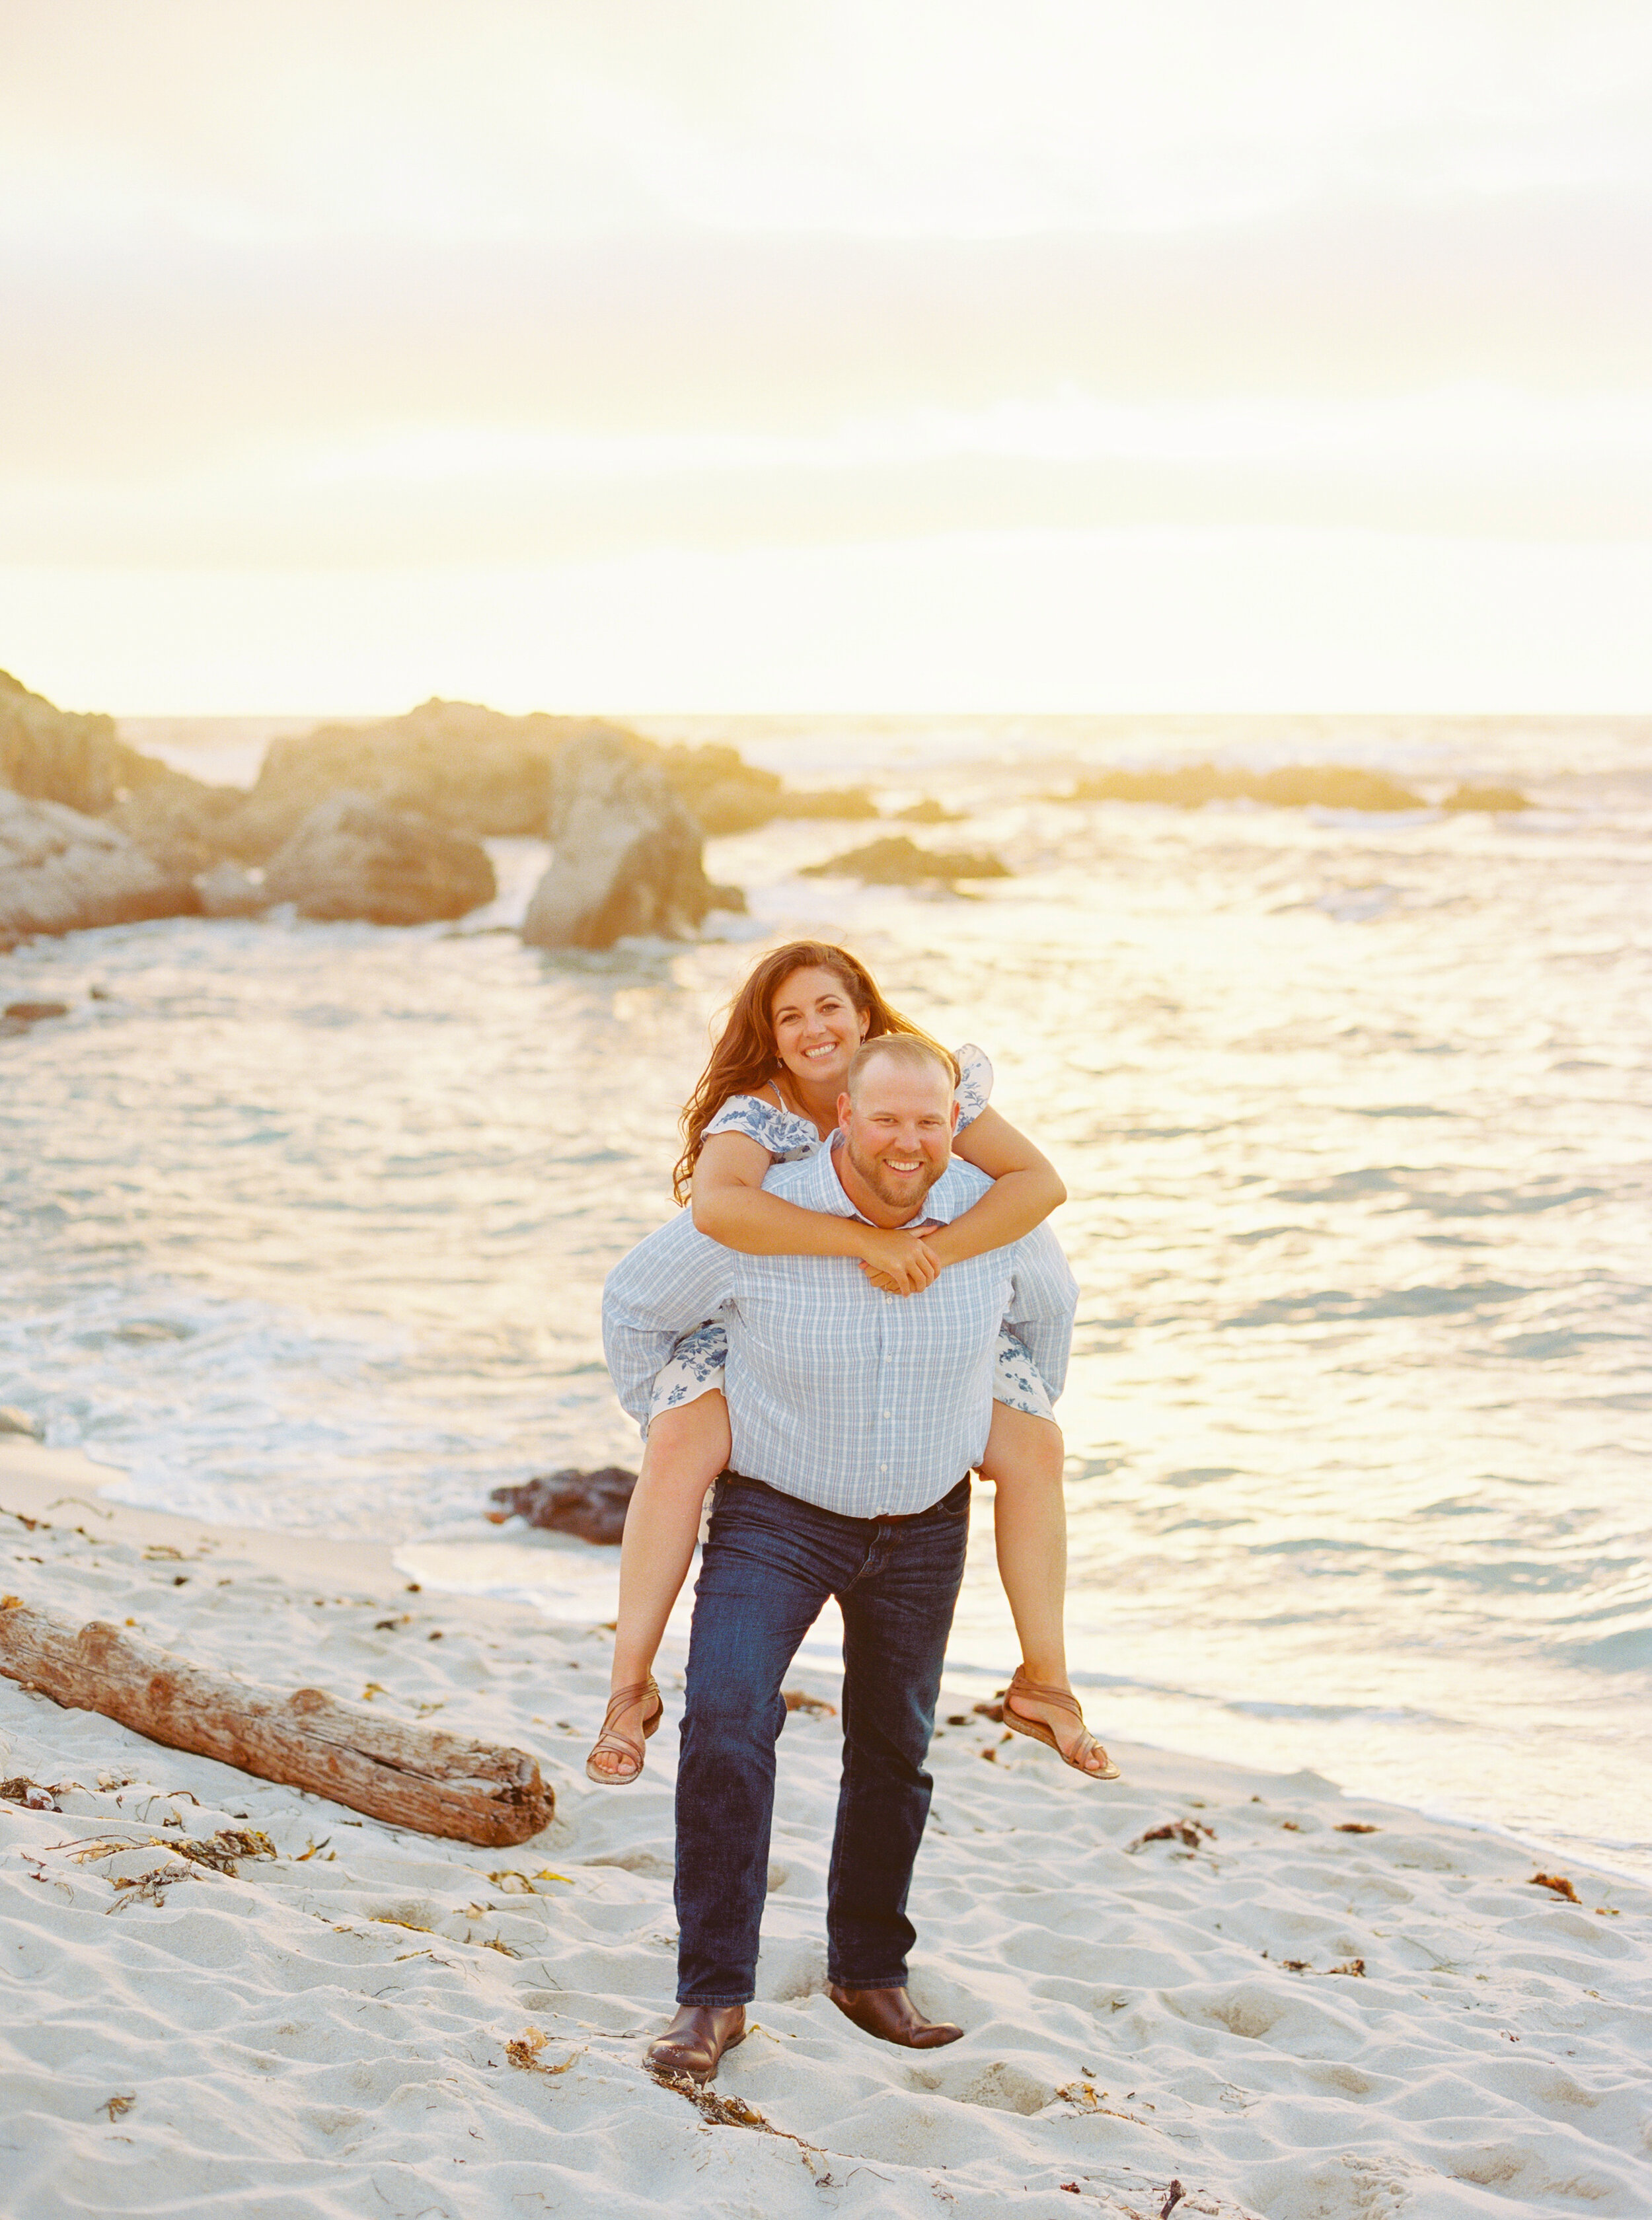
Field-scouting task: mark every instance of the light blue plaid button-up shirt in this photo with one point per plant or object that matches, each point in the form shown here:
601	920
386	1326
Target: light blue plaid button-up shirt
861	1402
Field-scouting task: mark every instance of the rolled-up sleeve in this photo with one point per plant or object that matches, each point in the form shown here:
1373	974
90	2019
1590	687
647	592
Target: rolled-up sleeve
668	1283
1044	1299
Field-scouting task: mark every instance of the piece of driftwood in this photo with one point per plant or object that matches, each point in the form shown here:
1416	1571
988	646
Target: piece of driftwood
407	1775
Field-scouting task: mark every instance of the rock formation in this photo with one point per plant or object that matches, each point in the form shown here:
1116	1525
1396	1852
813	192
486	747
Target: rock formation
226	891
628	817
898	861
589	1504
1295	786
48	754
353	857
723	793
627	855
60	871
177	822
454	763
1501	800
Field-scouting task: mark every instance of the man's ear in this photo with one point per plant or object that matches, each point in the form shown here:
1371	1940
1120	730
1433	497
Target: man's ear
957	1113
845	1106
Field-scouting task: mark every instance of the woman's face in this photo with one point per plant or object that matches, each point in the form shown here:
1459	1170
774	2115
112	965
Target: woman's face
816	1026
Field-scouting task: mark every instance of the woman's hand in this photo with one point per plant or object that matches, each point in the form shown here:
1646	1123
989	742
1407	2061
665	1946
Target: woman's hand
896	1260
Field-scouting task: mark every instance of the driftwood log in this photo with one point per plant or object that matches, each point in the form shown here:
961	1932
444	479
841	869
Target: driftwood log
408	1776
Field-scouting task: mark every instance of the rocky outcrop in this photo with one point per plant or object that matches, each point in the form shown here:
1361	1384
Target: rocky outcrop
898	861
1295	786
627	855
928	812
226	891
177	822
725	793
352	858
60	871
454	763
48	754
589	1504
1501	800
624	814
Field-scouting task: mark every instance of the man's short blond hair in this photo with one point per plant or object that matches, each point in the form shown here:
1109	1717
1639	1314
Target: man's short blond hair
914	1051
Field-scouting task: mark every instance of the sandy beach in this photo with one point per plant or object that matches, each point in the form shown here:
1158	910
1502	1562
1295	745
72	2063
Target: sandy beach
1205	1989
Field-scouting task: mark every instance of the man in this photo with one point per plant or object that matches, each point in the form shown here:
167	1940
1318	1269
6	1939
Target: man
856	1418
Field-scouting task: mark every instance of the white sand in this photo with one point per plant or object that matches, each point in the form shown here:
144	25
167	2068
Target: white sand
328	2032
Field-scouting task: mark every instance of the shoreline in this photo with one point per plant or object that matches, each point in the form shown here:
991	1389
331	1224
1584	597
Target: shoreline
1292	2002
42	1479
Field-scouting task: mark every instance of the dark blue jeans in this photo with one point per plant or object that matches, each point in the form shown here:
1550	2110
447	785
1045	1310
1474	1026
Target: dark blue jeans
771	1560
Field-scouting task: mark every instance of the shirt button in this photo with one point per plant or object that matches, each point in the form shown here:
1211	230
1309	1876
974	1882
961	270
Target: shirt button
883	1468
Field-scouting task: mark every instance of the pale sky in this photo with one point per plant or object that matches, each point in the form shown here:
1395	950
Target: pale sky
763	354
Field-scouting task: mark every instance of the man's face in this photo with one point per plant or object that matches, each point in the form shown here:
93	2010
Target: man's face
898	1135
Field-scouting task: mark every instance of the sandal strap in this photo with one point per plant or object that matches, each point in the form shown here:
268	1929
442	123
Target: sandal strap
1062	1698
623	1698
627	1745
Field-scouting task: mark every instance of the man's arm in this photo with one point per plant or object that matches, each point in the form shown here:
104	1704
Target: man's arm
1043	1296
667	1284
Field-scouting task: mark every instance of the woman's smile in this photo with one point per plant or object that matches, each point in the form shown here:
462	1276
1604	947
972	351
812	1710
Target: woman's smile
817	1027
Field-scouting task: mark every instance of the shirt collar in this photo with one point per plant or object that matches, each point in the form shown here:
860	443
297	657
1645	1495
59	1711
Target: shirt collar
828	1187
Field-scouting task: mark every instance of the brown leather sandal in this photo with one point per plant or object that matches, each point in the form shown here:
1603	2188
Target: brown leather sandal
1018	1723
620	1701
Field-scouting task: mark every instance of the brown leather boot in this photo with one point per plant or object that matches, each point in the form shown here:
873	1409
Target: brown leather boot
892	2016
696	2039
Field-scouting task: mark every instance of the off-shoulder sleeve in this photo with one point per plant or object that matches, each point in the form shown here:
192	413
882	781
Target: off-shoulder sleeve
975	1083
783	1136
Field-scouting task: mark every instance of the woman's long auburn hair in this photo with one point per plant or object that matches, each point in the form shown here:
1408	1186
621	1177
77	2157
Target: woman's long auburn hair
746	1058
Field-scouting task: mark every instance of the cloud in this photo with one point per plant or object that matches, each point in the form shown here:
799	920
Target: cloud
540	119
376	285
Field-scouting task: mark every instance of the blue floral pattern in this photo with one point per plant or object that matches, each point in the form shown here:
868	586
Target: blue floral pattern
695	1368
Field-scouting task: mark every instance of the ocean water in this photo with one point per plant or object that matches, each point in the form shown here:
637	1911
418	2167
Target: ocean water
305	1225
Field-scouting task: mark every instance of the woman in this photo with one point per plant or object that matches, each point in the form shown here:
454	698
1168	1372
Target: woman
770	1091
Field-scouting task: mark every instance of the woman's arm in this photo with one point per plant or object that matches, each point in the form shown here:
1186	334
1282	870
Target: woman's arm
1026	1188
730	1206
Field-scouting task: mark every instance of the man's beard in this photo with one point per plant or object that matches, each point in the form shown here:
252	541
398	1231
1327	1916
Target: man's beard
904	1197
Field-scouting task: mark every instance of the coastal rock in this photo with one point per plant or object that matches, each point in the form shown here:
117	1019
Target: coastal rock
177	822
352	858
725	794
19	1016
61	872
927	812
454	763
848	801
16	1421
627	853
227	890
591	1504
48	754
1294	786
899	861
1502	800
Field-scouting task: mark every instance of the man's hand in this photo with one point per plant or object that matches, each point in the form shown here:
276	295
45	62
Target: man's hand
897	1260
